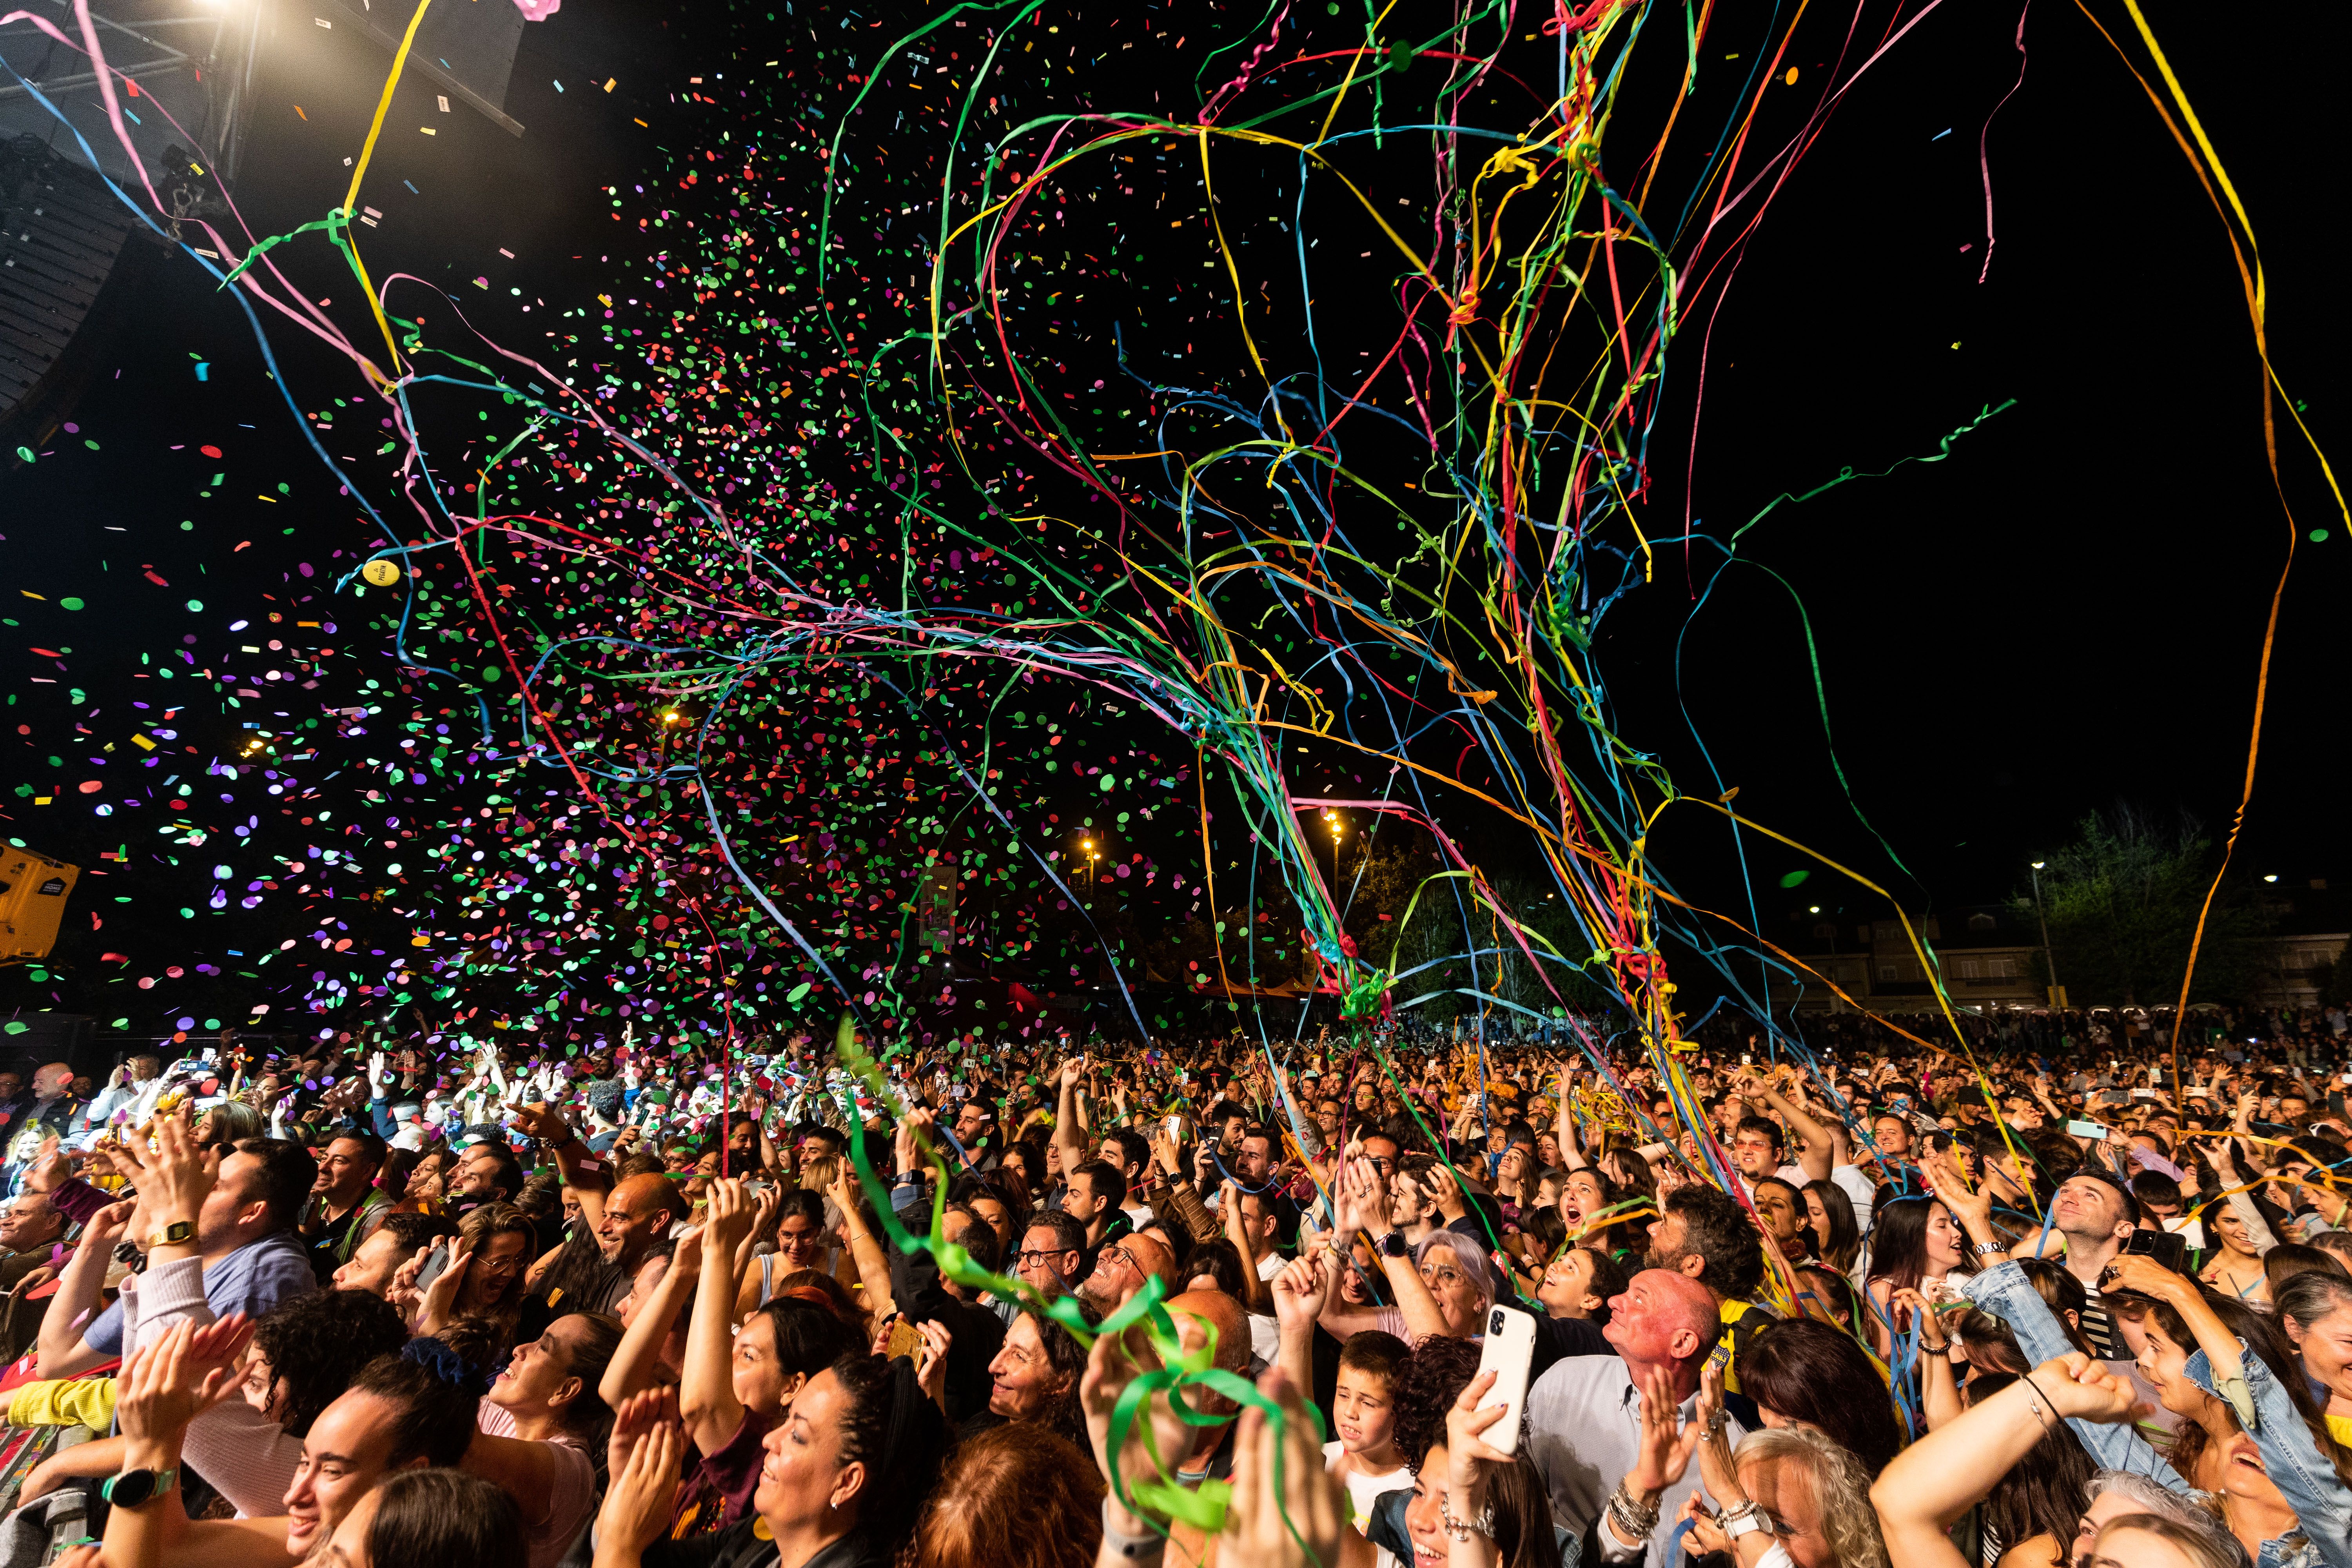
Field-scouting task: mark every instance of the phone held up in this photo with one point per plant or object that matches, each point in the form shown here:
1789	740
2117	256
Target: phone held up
1508	1351
2166	1249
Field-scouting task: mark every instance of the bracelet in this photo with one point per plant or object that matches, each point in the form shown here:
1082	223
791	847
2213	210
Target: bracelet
1926	1348
1463	1528
1635	1520
1131	1548
2036	1399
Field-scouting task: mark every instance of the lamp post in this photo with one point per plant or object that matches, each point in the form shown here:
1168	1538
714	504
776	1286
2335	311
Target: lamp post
1092	855
2049	959
1331	819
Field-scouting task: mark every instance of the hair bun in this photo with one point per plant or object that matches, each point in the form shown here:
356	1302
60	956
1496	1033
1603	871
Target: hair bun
445	1365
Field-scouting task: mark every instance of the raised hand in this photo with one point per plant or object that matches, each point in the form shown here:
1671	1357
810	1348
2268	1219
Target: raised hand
1360	1204
729	1220
1299	1292
441	1295
638	1414
176	1175
643	1492
1294	1524
1468	1454
165	1388
931	1366
1666	1444
49	1169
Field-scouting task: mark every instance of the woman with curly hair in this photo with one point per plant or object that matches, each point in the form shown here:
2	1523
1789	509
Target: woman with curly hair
1502	1499
1034	1377
846	1476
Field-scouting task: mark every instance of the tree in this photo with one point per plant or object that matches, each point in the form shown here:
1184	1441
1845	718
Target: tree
2122	901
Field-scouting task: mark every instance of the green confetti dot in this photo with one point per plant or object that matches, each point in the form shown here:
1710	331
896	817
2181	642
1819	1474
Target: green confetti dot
2319	536
17	1026
195	604
77	603
797	992
1794	878
491	672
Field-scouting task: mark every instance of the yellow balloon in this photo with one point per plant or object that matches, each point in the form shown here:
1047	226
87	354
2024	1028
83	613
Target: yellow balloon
380	574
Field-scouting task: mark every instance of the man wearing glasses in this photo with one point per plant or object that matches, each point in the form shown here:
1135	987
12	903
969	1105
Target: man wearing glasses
1052	1253
1120	1269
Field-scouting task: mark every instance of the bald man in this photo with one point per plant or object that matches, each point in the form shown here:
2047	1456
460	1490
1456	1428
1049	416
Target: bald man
596	1265
1120	1268
1195	1312
1584	1415
49	1114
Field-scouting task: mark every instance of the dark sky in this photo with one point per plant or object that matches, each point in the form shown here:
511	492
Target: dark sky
2065	612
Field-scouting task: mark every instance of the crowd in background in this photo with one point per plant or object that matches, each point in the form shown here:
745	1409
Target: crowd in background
1892	1297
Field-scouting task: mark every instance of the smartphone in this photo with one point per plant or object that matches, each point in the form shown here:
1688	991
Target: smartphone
434	1266
906	1340
2167	1248
1508	1351
2085	1130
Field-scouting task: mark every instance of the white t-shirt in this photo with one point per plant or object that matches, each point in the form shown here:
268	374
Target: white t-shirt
1363	1490
1266	1331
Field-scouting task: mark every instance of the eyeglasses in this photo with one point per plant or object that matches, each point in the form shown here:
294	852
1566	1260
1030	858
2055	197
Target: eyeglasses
1035	1259
1124	1255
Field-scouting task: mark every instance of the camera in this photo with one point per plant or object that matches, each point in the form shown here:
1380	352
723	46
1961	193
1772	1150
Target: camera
1495	1323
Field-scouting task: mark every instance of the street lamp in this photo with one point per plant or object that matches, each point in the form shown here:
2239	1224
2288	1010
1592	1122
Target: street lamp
1331	819
2049	959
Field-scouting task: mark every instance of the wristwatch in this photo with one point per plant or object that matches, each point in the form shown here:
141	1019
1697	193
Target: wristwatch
1393	1245
1989	1250
132	1489
1738	1521
176	1234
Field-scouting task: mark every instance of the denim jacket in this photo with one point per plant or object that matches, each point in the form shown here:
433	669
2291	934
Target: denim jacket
2321	1502
2004	1292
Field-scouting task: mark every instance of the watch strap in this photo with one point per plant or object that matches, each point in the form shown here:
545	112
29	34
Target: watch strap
1749	1516
156	1483
176	1234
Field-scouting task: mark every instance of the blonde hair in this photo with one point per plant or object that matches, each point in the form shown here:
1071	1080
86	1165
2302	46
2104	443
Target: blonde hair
1841	1490
2201	1547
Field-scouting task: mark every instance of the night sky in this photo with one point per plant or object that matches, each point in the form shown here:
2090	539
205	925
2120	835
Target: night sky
2064	611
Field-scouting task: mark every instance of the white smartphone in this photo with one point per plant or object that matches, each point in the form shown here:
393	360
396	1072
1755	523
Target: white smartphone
1508	1351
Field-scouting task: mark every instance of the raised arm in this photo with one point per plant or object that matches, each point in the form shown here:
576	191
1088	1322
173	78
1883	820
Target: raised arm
1815	1149
1069	1134
1930	1484
637	1360
865	1246
706	1388
2290	1456
63	1350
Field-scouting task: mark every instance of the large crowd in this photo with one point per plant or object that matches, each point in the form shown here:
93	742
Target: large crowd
407	1301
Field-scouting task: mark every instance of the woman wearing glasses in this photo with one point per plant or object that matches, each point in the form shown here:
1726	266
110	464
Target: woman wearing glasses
483	1279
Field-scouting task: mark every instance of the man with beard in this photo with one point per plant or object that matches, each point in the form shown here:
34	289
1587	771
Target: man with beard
595	1267
1702	1235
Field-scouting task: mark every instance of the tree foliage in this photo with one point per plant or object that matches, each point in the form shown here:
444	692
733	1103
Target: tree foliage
2122	899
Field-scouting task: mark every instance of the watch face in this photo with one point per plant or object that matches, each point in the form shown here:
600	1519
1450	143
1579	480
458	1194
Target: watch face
131	1489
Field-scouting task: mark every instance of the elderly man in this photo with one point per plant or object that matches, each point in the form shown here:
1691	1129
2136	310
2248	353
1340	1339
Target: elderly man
49	1114
1120	1269
1585	1417
30	1229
